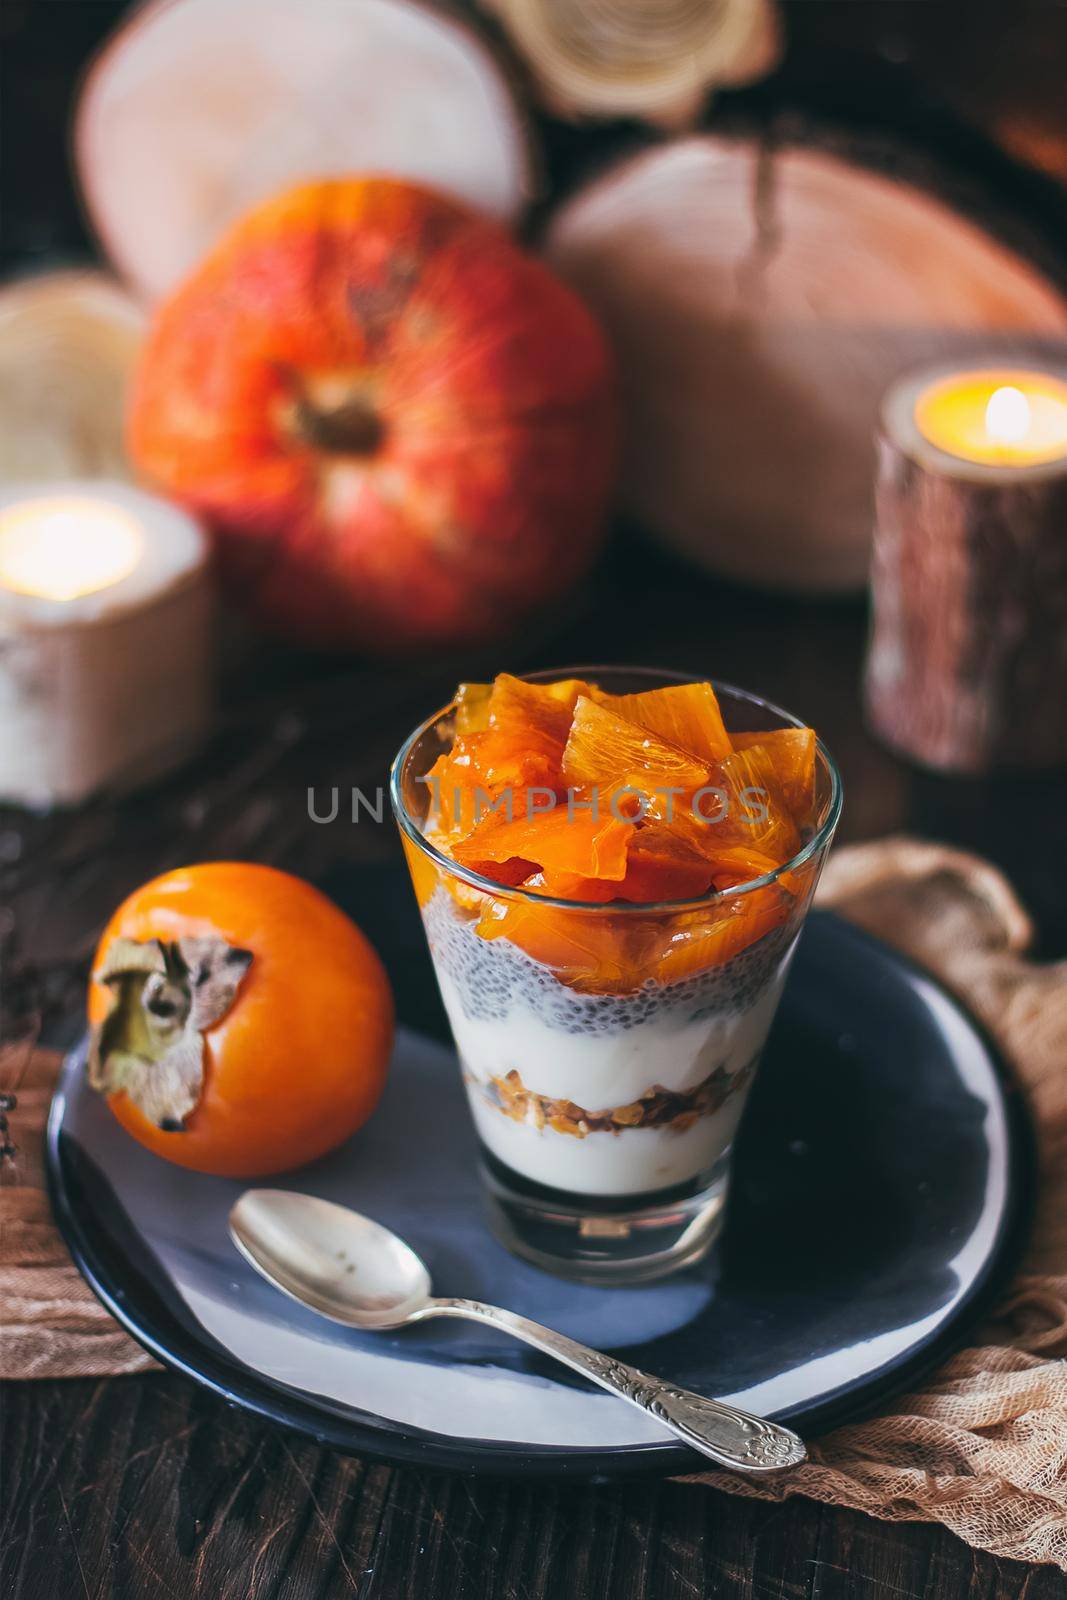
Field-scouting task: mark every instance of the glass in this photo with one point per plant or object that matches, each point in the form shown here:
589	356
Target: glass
606	1109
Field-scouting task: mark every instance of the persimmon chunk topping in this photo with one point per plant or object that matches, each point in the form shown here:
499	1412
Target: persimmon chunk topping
574	794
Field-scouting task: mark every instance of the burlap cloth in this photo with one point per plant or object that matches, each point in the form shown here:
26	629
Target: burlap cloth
982	1446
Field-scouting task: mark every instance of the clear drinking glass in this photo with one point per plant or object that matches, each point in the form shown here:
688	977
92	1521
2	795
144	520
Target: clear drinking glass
606	1112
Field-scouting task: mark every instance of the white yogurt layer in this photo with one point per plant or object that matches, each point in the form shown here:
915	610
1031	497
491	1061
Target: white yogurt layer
598	1071
601	1070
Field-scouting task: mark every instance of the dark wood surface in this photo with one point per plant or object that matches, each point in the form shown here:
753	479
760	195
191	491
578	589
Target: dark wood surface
144	1488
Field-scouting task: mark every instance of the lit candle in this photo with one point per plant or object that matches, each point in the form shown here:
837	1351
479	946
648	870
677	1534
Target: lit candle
105	605
967	667
63	547
996	417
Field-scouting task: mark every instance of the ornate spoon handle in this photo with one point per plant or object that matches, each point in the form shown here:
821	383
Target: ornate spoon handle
729	1436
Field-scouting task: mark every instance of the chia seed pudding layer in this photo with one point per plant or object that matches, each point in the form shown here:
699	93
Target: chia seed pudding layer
493	976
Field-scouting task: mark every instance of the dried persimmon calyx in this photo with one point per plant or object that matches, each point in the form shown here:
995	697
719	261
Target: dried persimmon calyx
164	997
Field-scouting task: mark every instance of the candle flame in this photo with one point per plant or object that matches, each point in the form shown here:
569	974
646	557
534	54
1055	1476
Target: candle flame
60	549
1007	415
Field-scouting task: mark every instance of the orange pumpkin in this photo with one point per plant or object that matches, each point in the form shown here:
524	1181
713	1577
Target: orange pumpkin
398	424
242	1024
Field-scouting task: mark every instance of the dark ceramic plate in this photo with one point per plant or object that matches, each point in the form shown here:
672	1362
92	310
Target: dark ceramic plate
880	1197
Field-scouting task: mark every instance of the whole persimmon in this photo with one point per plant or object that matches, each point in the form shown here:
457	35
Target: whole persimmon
399	426
240	1023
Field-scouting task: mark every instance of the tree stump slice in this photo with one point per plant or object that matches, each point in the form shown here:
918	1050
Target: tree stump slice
761	299
196	110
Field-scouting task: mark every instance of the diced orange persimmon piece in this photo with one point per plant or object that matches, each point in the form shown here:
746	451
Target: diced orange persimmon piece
700	939
607	752
510	874
573	886
510	732
651	875
664	865
587	950
482	766
732	865
515	704
792	751
686	715
522	758
750	809
556	840
472	708
661	867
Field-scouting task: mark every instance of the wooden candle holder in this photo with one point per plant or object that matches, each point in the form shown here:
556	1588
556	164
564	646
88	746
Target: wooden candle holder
967	665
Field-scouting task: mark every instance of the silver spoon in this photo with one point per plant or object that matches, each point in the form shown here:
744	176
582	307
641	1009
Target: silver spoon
355	1271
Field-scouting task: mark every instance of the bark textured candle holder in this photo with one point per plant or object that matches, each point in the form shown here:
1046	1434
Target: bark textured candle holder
106	681
967	664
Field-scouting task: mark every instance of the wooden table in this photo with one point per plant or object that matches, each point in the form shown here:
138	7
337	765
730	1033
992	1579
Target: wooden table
145	1488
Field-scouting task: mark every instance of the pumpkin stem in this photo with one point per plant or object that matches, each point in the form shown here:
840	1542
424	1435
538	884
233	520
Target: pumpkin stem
351	429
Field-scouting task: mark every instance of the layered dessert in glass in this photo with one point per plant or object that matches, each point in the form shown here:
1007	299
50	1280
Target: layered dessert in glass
613	867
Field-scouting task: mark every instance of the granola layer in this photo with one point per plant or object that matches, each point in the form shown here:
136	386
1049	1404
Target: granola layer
656	1108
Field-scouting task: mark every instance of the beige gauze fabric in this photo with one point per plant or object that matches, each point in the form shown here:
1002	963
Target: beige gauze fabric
981	1446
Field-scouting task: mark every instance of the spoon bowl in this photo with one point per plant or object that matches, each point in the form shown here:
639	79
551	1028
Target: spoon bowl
334	1260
